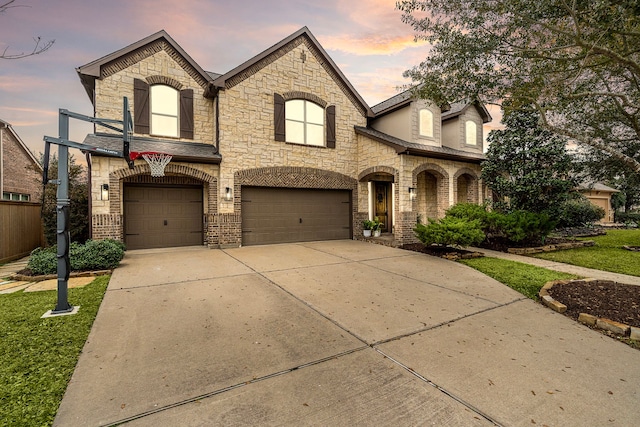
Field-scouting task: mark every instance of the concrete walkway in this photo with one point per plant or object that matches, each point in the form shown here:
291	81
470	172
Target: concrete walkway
337	333
566	268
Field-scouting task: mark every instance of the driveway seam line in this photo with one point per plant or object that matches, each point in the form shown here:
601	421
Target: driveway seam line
233	387
183	281
443	390
303	302
448	322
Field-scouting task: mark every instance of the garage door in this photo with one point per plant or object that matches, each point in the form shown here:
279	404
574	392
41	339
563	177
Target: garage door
281	215
162	216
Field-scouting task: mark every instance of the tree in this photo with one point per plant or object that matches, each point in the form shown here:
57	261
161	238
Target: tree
527	167
39	46
576	62
78	206
598	167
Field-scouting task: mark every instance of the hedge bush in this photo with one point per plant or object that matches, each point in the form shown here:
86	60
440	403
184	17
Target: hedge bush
450	231
93	255
578	213
515	227
628	217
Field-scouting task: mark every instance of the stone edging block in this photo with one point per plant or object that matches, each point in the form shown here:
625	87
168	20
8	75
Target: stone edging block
54	276
551	248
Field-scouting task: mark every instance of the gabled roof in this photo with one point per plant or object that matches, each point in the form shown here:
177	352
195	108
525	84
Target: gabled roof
448	111
404	147
94	70
597	186
21	143
393	103
459	107
266	57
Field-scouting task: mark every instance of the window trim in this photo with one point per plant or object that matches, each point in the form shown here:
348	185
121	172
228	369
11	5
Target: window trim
152	113
467	133
306	123
420	129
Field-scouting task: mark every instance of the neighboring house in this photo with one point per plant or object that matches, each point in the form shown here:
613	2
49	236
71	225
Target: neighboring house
600	195
20	171
280	149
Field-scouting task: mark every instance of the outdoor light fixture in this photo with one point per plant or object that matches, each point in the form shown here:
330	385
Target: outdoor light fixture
412	193
227	194
104	192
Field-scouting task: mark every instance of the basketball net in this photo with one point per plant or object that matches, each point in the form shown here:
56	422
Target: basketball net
157	162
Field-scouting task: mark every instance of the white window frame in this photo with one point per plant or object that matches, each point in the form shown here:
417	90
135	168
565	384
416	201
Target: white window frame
471	133
155	130
305	123
425	114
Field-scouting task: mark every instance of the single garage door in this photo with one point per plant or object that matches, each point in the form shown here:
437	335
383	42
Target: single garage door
162	216
281	215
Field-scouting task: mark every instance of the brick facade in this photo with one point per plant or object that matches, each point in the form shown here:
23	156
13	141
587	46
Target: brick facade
237	118
20	174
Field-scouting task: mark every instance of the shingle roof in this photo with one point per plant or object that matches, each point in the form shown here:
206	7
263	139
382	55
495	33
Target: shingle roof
393	102
597	186
405	147
180	150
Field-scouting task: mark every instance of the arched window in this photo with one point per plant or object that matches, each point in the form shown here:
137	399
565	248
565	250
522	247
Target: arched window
471	133
164	110
304	122
426	123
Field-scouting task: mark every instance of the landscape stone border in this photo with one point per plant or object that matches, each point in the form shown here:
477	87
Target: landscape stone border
585	318
551	248
22	277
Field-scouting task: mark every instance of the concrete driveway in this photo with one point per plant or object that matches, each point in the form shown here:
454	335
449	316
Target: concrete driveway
337	333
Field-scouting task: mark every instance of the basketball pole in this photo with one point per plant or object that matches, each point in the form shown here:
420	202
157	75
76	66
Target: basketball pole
63	236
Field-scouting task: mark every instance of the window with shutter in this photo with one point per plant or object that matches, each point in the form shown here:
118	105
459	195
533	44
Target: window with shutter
278	117
141	106
186	113
304	122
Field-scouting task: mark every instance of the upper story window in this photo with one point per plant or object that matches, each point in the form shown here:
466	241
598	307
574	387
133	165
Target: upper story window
471	133
304	122
16	197
426	123
302	119
164	110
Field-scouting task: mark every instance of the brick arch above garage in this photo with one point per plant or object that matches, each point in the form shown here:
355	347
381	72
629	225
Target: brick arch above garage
176	174
294	177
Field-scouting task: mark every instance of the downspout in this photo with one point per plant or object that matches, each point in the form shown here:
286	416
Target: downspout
217	97
90	198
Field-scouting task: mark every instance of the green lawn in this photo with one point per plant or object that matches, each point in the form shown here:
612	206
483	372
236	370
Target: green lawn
38	356
524	278
607	255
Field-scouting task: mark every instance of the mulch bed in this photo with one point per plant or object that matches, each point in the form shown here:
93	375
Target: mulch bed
614	301
442	252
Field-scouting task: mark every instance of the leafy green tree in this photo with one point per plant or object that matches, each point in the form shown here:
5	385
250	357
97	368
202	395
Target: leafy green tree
78	206
576	62
527	167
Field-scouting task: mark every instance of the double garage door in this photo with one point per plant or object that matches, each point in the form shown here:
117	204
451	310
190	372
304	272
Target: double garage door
159	216
283	215
162	216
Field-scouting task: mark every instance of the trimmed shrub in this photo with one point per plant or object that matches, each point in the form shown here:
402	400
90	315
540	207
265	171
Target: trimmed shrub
628	217
579	212
527	227
93	255
450	231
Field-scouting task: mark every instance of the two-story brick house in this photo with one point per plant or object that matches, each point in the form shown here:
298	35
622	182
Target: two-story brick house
20	171
280	149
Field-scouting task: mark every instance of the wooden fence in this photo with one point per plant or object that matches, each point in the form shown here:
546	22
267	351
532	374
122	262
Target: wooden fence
20	229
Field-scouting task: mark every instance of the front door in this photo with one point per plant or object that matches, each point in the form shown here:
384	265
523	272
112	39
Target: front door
382	203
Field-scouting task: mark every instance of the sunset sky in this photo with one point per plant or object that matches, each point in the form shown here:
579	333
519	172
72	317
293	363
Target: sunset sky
365	38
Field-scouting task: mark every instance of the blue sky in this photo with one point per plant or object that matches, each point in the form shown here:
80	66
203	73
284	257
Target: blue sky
365	38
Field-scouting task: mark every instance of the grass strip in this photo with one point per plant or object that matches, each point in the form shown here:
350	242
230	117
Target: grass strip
606	255
524	278
38	356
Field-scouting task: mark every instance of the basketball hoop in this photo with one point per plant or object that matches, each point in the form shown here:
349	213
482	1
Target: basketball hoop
157	161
